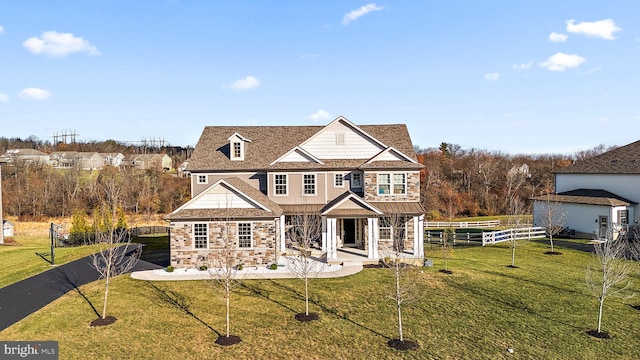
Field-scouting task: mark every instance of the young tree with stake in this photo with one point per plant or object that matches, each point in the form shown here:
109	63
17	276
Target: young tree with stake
552	218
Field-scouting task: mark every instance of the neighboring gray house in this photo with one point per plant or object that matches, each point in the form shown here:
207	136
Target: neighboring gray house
599	194
256	178
24	155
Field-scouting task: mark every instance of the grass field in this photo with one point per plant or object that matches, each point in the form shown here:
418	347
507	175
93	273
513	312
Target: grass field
541	310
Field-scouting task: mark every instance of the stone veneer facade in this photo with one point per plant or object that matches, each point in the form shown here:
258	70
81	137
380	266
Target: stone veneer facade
371	187
262	253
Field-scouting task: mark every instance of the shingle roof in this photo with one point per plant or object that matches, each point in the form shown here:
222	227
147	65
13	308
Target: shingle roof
622	160
588	197
269	143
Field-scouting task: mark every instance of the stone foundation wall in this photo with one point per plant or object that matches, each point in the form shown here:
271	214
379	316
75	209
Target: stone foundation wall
263	252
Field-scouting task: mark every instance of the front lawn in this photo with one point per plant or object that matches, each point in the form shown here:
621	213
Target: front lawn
541	310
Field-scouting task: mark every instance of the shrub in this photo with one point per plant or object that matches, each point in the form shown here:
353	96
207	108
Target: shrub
240	267
203	267
273	266
170	268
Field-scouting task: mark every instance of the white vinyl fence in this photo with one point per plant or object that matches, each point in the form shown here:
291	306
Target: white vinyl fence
527	233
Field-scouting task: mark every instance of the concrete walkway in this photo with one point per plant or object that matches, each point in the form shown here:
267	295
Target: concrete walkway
247	273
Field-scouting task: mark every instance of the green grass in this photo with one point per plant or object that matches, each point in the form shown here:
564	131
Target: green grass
541	310
20	259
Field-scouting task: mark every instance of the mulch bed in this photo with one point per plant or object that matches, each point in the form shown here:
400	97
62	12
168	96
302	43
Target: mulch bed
103	322
512	266
372	266
599	335
403	345
552	253
306	318
637	307
228	340
448	272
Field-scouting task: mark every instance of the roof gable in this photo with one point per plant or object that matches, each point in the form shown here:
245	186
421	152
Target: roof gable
349	201
298	154
222	195
391	154
340	138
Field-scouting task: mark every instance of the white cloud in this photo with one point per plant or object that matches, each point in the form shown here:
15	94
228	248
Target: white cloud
53	43
562	61
601	29
1	30
34	94
491	76
4	98
319	115
522	66
556	37
246	83
356	14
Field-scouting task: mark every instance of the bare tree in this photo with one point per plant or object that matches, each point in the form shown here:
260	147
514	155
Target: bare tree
552	218
117	255
393	227
516	218
223	271
305	228
608	275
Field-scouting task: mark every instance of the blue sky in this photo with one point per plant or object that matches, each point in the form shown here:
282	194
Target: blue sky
512	76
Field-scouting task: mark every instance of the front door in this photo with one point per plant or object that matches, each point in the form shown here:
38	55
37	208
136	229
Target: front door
604	226
349	231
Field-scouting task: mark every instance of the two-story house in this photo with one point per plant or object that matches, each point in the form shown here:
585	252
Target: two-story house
354	178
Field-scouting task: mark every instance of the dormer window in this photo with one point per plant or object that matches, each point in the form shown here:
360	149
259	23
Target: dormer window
237	147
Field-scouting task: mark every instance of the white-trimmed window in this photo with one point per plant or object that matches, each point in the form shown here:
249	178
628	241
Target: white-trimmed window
309	184
200	236
202	179
245	235
392	184
339	138
338	180
280	182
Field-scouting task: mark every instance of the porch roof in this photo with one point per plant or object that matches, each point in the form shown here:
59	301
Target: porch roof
399	207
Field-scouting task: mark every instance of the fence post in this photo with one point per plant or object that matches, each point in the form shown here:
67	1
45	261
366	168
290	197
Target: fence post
468	238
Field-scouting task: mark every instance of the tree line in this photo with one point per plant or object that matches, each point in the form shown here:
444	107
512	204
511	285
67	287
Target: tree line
457	182
37	191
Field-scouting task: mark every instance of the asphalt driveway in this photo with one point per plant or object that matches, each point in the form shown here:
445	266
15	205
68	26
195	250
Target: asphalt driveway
19	300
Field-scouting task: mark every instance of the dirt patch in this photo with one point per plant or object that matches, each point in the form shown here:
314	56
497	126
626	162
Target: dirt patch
228	340
552	253
306	318
448	272
403	345
103	322
603	335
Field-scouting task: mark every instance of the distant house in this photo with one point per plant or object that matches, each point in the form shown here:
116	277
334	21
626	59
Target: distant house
599	195
255	180
148	161
7	228
24	155
72	159
112	159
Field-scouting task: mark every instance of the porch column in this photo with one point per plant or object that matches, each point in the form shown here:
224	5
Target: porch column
372	237
331	239
324	233
418	235
283	235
